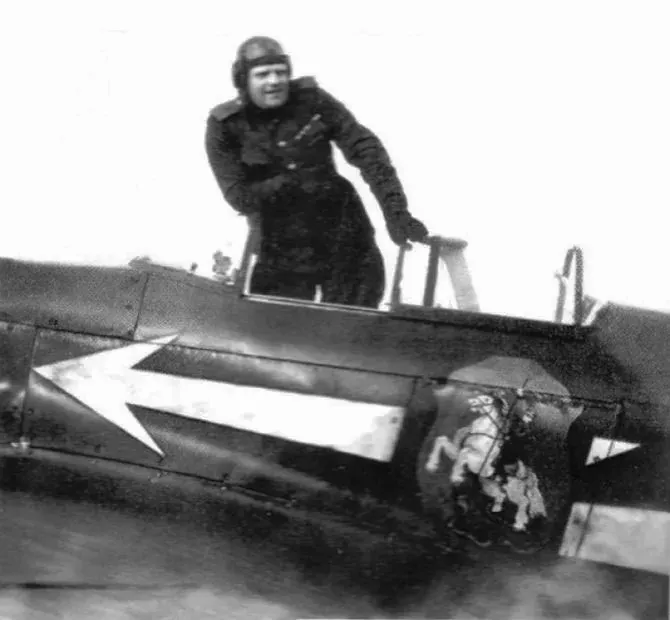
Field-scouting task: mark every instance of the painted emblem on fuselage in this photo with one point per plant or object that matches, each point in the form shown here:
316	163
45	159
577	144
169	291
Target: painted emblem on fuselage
475	469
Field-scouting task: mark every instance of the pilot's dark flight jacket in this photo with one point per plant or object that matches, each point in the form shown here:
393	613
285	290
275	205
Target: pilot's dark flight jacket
278	163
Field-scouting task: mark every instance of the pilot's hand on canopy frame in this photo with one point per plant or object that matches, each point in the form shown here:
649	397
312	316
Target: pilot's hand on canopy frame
404	228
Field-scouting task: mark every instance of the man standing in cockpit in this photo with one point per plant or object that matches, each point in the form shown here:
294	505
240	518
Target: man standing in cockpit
270	150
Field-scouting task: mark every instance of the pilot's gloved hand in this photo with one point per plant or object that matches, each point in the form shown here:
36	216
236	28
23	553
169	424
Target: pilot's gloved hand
250	199
315	180
402	227
277	186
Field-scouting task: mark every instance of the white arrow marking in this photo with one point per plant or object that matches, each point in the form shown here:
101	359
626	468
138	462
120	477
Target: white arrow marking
602	449
100	381
105	382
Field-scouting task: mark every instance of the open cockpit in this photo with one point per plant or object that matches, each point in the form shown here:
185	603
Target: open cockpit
433	281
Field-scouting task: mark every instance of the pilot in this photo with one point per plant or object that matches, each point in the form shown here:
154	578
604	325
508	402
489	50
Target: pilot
271	153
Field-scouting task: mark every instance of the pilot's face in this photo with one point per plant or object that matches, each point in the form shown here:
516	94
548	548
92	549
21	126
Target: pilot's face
268	85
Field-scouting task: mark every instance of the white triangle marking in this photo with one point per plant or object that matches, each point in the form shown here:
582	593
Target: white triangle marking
602	448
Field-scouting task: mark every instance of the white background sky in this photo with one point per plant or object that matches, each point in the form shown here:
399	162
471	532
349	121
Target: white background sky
523	127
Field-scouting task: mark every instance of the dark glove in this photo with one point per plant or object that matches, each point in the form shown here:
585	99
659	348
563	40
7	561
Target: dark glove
275	187
402	228
261	193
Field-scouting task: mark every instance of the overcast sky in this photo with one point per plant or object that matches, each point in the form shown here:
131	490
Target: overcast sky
523	127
